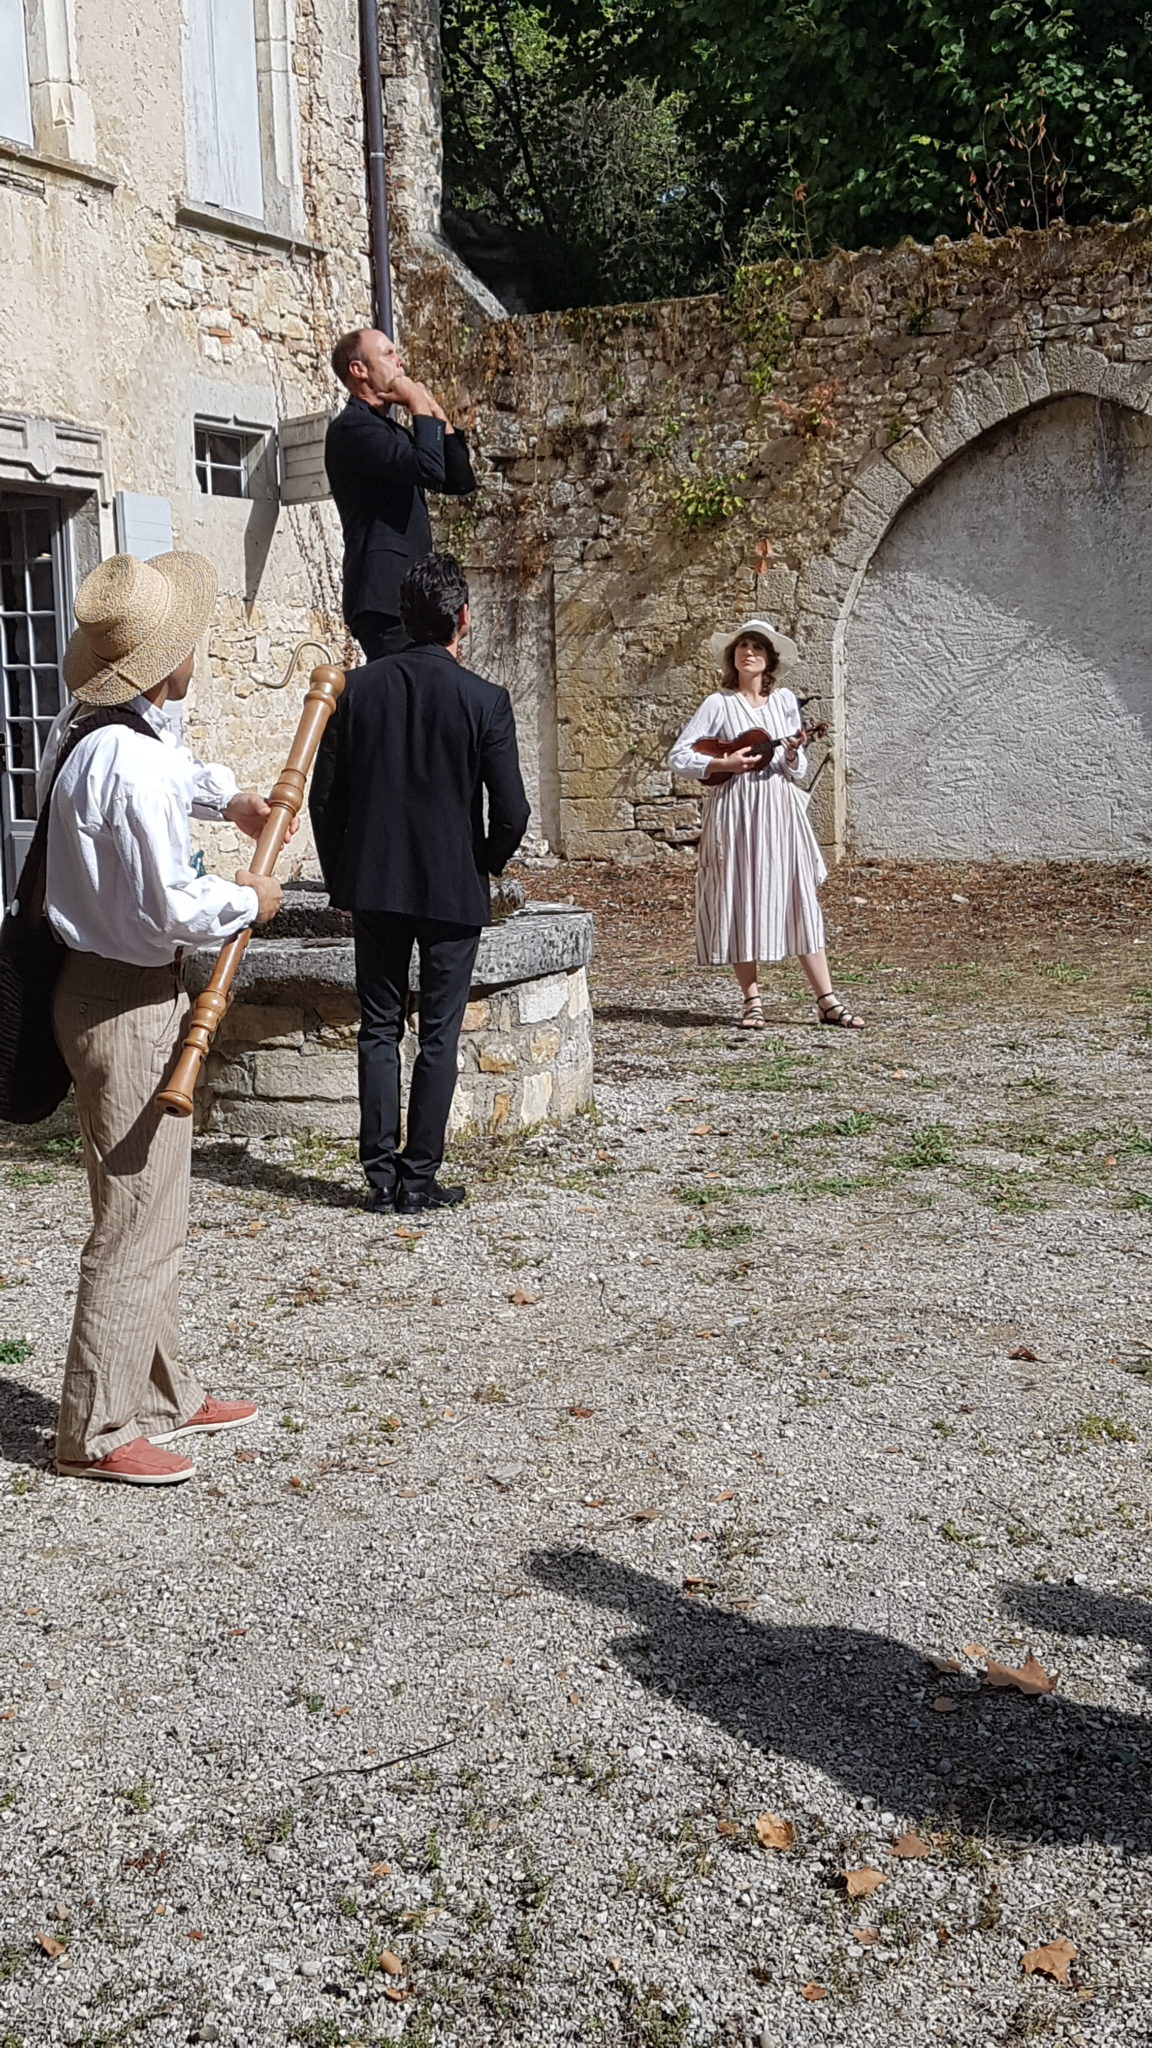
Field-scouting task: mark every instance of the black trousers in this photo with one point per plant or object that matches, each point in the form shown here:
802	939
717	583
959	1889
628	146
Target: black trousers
384	944
379	633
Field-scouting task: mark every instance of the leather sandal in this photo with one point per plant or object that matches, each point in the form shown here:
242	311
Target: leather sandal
838	1014
752	1015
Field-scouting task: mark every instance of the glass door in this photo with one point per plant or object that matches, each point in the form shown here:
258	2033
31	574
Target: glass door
35	597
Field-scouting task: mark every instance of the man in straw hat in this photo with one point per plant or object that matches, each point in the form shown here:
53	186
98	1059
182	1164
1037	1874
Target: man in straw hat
123	896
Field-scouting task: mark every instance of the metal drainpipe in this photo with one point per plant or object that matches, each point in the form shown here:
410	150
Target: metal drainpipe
375	164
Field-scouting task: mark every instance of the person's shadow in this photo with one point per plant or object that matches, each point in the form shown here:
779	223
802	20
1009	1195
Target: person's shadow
859	1706
27	1424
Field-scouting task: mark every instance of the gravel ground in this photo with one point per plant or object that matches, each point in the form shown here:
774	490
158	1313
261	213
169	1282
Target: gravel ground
590	1524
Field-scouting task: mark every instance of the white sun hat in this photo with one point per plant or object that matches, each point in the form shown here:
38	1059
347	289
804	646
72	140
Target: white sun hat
787	656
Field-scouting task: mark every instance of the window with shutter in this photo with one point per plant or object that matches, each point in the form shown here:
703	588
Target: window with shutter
222	106
15	94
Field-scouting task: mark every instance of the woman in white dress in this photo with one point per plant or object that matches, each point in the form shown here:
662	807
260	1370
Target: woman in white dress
759	864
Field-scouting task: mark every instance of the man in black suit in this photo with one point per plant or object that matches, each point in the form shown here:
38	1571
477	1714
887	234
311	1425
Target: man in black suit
379	472
397	807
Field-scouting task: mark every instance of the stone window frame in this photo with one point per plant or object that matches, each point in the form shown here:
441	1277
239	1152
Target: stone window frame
820	599
282	218
62	122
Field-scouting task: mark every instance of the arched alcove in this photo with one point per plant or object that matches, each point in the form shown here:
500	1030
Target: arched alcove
997	657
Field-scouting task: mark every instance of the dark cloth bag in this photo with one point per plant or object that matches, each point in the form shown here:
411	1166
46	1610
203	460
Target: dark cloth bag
33	1077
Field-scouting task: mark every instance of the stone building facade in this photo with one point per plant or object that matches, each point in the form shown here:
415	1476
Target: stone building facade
933	466
183	220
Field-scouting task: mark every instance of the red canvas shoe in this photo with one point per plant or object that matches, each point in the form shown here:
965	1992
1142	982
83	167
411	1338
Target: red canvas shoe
139	1463
212	1416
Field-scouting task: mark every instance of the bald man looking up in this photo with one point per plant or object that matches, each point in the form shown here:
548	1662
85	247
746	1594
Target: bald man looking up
379	471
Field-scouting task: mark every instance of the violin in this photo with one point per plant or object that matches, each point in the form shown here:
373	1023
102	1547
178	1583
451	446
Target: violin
757	741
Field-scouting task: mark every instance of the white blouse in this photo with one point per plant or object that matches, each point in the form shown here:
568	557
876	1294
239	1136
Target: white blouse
725	715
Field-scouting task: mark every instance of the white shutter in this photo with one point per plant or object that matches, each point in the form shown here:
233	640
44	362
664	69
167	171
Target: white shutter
143	525
15	96
303	477
222	106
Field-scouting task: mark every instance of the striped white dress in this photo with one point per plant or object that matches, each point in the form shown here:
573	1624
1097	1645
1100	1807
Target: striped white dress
759	865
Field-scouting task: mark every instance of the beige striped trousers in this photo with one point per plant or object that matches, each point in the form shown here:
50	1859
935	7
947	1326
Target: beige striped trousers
119	1028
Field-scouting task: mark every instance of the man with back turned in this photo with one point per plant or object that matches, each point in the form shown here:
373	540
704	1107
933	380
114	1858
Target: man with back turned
398	809
379	470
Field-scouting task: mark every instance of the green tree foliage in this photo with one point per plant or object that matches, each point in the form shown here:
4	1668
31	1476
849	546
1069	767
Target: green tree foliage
630	148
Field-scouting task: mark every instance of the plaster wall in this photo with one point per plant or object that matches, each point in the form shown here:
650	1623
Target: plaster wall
998	677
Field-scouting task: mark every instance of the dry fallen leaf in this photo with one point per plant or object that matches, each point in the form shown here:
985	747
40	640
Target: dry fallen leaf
1053	1960
1030	1678
50	1945
391	1963
729	1827
860	1884
1024	1351
974	1650
773	1833
944	1665
580	1413
865	1936
943	1937
701	1130
910	1845
723	1496
942	1704
195	1934
397	1997
381	1870
692	1586
646	1515
522	1298
813	1991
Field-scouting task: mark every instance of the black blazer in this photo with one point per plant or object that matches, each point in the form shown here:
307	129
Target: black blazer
397	799
378	472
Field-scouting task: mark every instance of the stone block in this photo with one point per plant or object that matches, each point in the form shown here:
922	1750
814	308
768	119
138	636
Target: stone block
476	1015
914	457
597	814
545	1045
498	1059
229	1077
262	1024
579	1001
539	1001
304	1076
281	1119
535	1097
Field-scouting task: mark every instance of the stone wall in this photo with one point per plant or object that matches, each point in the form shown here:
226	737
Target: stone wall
932	465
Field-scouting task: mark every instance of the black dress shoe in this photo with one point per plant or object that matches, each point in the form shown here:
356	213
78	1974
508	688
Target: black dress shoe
432	1196
380	1198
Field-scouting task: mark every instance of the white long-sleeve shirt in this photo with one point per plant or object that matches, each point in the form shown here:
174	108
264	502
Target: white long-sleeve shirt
120	880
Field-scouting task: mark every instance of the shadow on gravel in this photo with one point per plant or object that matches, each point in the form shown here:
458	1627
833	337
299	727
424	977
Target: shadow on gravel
231	1167
858	1706
25	1417
1078	1611
674	1020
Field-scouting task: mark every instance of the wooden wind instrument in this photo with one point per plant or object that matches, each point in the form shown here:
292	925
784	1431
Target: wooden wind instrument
286	800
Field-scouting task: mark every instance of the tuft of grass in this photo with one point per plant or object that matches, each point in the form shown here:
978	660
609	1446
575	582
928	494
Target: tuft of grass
699	1196
1105	1429
1062	972
14	1350
718	1238
1036	1084
1135	1198
930	1146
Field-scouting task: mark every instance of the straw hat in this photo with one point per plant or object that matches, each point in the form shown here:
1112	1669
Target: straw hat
135	623
721	643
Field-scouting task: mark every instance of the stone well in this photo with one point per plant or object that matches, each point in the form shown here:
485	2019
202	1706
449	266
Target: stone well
285	1056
